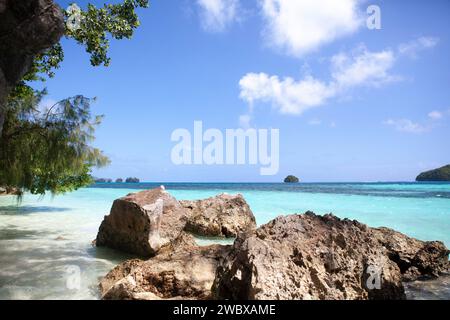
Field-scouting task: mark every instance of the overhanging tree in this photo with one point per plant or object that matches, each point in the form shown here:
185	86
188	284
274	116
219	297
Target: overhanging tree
49	149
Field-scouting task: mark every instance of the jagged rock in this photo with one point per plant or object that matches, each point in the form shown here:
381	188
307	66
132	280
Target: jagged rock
416	259
27	27
313	257
221	216
184	271
142	223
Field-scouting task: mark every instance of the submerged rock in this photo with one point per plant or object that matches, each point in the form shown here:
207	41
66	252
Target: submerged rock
220	216
313	257
142	223
184	271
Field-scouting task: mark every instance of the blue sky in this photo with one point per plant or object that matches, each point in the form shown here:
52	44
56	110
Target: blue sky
352	104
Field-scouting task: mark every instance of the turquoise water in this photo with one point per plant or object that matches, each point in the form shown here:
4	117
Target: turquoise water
42	240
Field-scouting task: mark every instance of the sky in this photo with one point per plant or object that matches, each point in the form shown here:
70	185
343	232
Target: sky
351	103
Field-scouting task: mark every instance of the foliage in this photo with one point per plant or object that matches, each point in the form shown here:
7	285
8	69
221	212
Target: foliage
440	174
115	21
132	180
47	149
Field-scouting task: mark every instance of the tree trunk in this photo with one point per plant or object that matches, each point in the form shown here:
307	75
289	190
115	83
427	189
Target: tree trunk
2	119
27	27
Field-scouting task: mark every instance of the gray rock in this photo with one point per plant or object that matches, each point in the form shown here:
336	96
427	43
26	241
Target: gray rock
142	223
313	257
220	216
184	271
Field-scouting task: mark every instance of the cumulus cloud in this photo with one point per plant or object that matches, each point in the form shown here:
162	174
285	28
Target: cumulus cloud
287	95
359	68
292	96
363	67
217	15
298	27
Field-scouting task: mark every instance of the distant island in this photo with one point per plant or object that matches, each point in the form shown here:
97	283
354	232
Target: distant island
440	174
102	180
291	179
119	180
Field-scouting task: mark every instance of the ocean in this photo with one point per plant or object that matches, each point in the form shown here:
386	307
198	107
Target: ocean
44	241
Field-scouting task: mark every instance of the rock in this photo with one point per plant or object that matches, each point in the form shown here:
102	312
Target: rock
142	223
291	179
27	27
183	272
221	216
313	257
440	174
416	259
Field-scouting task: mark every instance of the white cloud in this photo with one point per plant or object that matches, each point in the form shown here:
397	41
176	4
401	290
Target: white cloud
287	95
360	68
301	26
295	97
406	125
217	15
314	122
435	115
413	47
364	67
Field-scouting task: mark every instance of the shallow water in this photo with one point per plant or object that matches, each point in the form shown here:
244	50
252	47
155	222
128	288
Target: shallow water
45	241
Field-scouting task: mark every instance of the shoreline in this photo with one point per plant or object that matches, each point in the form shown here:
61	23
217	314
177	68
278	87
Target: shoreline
76	216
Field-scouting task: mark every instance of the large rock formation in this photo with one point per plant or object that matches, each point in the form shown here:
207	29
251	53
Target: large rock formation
221	216
313	257
183	271
142	223
26	28
292	257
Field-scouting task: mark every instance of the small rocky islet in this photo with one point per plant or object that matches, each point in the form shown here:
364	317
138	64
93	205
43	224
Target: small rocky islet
441	174
299	256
